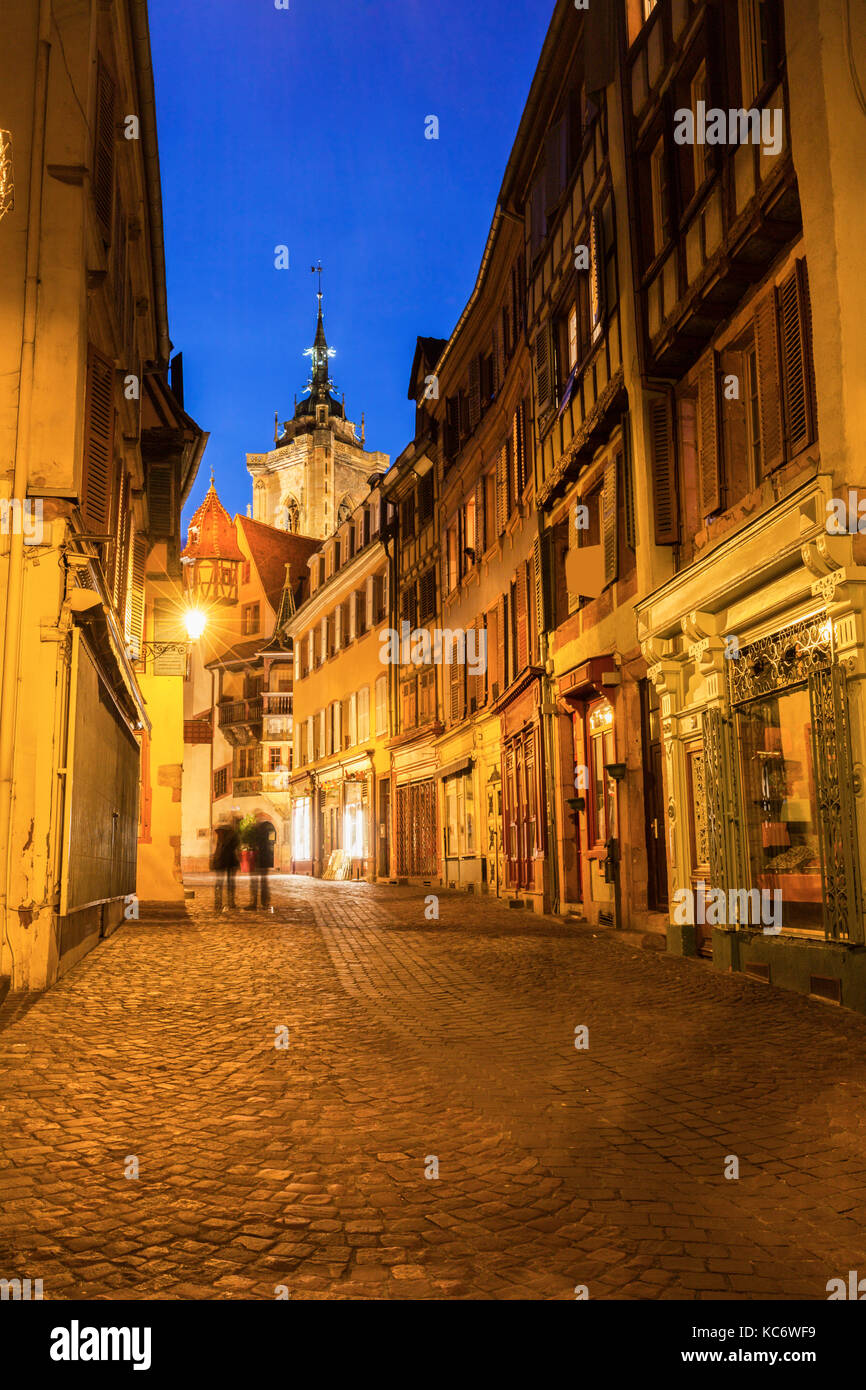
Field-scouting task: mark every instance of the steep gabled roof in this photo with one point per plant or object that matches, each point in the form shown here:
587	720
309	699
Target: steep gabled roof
271	550
427	352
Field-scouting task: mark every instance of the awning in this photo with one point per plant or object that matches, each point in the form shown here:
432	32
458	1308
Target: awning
585	681
456	768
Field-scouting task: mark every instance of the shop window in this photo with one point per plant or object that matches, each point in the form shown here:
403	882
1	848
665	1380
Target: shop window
459	816
355	822
301	839
602	792
780	804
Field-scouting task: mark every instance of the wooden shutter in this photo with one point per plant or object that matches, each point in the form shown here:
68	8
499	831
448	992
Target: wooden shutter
338	627
661	441
501	490
370	603
463	415
480	521
501	643
522	623
769	391
474	393
98	467
793	333
538	594
543	371
121	568
135	631
626	477
516	458
609	521
555	162
708	408
160	499
102	179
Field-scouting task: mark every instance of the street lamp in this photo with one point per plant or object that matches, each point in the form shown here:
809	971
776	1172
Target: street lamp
195	622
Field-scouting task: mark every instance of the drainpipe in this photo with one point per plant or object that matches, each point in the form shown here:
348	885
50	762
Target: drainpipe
549	749
15	573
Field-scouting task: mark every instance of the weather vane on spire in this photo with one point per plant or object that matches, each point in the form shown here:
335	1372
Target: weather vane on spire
313	270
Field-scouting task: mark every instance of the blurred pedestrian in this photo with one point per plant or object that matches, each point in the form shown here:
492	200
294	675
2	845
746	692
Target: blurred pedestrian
261	841
225	862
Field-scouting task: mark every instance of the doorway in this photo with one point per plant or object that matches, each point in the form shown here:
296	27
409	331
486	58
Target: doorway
654	801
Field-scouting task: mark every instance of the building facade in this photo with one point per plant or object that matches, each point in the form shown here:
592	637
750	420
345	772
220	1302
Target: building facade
748	313
340	783
238	689
99	455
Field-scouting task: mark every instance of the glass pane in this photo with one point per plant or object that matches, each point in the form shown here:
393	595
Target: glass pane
598	781
780	803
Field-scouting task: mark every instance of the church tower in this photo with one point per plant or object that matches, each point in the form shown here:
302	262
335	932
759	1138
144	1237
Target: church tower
318	469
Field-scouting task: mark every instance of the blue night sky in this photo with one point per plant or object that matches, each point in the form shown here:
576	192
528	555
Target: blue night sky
305	127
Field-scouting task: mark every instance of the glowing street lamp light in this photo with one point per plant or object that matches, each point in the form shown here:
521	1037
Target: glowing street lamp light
196	622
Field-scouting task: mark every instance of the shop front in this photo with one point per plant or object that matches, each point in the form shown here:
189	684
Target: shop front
762	722
524	804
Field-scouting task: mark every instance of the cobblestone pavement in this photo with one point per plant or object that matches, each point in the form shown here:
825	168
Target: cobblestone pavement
411	1039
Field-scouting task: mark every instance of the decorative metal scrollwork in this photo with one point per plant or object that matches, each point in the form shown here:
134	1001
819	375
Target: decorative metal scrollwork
784	658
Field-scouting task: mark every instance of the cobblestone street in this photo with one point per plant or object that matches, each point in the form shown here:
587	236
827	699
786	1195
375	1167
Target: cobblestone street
306	1166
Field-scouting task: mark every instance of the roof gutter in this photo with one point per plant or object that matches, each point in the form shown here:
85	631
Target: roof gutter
153	186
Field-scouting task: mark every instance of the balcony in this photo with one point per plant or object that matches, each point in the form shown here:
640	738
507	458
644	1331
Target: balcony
277	702
241	721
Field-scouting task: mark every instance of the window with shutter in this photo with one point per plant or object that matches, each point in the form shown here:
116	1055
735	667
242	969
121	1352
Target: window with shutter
708	425
516	449
103	148
451	442
323	734
135	602
661	442
124	527
501	490
480	518
627	482
609	521
364	714
456	691
769	390
502	644
541	608
463	415
793	334
353	721
160	500
543	371
98	470
522	623
369	603
381	706
474	393
167	628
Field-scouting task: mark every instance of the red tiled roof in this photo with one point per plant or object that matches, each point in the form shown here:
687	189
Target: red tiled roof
211	532
271	550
